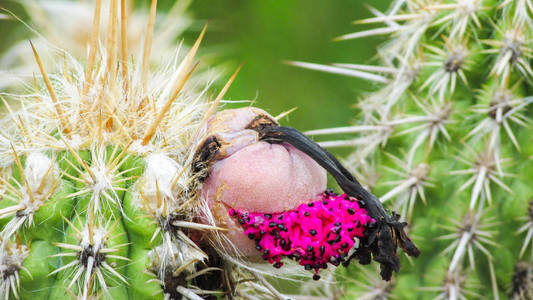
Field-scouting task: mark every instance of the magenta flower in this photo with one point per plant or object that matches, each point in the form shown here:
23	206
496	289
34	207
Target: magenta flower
264	183
314	234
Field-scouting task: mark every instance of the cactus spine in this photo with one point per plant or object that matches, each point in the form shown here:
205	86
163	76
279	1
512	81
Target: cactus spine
445	141
99	195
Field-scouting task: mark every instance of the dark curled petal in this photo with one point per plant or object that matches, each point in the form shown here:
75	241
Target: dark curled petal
405	242
363	254
384	252
384	239
260	122
205	156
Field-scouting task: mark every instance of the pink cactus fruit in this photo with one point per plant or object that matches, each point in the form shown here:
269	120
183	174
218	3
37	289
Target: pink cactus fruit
271	198
256	176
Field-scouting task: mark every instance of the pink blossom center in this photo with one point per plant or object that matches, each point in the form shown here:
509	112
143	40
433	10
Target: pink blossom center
314	234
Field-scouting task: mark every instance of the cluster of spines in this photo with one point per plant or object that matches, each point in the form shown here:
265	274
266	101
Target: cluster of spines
124	197
314	234
12	255
454	81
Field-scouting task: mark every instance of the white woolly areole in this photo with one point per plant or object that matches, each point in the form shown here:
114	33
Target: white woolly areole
42	179
42	175
101	181
158	176
96	238
159	184
140	149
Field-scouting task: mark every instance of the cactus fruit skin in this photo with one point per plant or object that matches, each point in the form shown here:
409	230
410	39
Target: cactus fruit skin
445	140
255	175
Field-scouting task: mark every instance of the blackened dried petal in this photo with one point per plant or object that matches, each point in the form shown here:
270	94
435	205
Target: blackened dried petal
383	240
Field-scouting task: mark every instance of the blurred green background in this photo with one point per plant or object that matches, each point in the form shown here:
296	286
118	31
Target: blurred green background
265	33
262	34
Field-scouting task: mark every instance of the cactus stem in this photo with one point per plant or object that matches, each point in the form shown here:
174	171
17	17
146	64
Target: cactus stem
460	16
431	51
100	179
118	161
372	287
453	62
523	10
80	161
414	180
504	108
40	182
454	287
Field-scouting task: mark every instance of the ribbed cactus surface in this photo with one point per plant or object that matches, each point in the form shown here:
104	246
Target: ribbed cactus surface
98	188
445	140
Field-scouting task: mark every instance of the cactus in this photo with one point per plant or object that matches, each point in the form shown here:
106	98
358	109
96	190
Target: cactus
445	140
99	197
122	183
